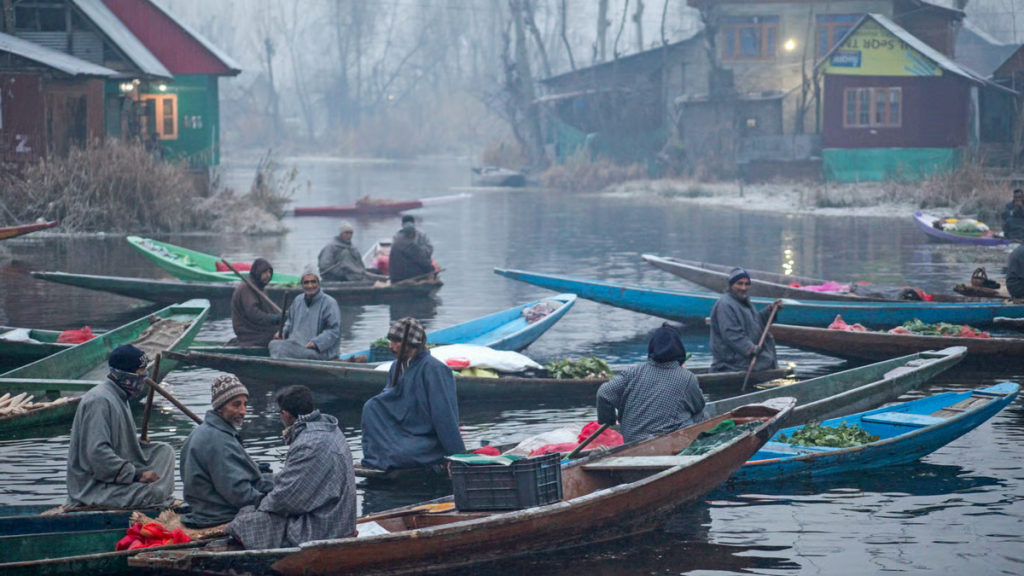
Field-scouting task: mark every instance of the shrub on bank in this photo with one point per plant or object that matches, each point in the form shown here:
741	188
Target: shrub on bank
580	173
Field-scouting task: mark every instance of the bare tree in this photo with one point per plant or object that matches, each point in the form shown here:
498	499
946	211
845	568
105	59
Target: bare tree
565	37
638	19
527	108
531	23
622	26
602	31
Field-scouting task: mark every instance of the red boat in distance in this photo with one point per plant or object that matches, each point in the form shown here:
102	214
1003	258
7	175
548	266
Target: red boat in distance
14	231
367	206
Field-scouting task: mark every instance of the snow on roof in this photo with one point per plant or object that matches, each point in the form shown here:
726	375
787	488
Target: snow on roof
116	31
66	63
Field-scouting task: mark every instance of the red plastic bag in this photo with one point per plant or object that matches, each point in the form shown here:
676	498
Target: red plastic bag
607	438
487	451
458	363
150	535
382	264
75	336
240	266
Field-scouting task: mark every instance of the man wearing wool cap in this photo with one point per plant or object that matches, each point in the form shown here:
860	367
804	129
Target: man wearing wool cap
414	422
340	261
736	329
219	476
312	326
107	464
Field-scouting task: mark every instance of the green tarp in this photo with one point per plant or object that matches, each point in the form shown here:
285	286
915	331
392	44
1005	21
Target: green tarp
880	164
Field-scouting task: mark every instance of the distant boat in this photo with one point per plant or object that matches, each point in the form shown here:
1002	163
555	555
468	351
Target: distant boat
367	206
41	343
906	432
926	223
492	176
193	265
14	231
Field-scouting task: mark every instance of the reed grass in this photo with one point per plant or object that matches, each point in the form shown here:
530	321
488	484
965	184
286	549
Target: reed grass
582	174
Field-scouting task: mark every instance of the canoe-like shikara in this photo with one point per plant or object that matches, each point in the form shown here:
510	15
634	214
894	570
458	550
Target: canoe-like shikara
74	371
906	432
696	306
191	265
715	277
492	176
878	345
924	222
628	490
367	209
19	352
15	231
170	291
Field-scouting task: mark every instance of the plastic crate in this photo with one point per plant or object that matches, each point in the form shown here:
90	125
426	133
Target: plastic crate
523	484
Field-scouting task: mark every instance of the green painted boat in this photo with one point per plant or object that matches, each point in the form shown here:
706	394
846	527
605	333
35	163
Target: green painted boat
74	371
15	353
77	552
191	265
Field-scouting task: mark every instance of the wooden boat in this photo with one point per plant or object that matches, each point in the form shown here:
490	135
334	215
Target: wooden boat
7	232
906	432
74	371
19	352
192	265
625	491
878	345
696	306
925	223
492	176
365	209
170	291
715	277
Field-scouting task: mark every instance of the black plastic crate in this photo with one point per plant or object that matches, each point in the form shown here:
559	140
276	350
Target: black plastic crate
523	484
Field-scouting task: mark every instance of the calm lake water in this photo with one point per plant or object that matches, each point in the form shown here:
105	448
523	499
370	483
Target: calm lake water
958	510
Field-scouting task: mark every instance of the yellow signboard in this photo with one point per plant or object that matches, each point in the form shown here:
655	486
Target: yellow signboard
874	51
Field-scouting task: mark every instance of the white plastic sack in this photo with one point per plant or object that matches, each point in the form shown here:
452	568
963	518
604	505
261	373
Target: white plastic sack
367	529
18	335
562	435
480	357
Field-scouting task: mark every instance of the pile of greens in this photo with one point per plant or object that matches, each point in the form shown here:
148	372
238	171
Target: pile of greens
842	436
940	329
586	367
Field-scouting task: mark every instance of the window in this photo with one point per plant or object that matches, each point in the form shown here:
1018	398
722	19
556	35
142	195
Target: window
165	114
873	107
753	38
832	28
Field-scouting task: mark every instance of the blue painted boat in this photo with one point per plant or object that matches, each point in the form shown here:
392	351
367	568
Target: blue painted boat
926	223
696	306
906	432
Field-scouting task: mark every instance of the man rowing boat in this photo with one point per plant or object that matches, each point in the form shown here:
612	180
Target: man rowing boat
736	329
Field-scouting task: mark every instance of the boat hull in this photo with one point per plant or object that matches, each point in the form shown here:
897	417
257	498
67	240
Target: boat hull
880	345
15	231
360	209
924	221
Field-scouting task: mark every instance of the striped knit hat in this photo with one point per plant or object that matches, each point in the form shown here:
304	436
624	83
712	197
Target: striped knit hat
417	336
224	388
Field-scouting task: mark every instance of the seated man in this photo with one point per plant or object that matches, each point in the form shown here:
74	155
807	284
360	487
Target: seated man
736	329
107	465
414	422
1013	216
312	329
219	477
252	317
411	253
656	397
339	261
1015	273
314	495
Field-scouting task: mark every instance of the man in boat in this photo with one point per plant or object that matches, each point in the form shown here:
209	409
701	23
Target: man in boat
1013	216
736	329
312	328
252	318
107	465
1015	273
414	422
656	397
339	261
411	253
314	495
219	476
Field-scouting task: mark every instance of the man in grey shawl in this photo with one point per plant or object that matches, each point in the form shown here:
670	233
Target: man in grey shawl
736	329
314	495
414	422
312	328
219	477
656	397
411	253
107	465
339	261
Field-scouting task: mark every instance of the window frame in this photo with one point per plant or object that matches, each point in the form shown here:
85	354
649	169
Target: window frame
831	22
158	114
864	101
766	26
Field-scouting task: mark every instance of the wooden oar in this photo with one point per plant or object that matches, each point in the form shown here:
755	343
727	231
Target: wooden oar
771	318
154	386
280	325
248	281
420	277
144	435
583	444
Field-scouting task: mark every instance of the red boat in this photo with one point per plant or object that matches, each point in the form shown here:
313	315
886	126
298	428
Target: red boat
362	207
13	231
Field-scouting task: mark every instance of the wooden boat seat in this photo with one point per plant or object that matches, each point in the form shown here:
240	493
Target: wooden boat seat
964	405
903	419
641	462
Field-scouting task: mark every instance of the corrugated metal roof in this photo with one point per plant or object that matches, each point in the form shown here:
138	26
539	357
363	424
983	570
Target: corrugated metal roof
66	63
228	61
116	31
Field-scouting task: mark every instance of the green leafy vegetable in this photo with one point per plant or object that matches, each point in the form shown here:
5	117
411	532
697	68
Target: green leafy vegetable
586	367
842	436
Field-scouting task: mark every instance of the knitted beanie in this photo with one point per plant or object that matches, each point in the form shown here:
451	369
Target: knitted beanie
736	274
127	358
417	336
224	388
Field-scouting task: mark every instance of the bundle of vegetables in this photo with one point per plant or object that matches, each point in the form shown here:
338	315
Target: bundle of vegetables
842	436
586	367
149	535
916	327
964	226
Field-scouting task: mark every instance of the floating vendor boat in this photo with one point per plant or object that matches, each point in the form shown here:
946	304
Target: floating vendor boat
7	232
905	432
870	345
169	291
927	224
696	306
715	277
63	377
627	490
